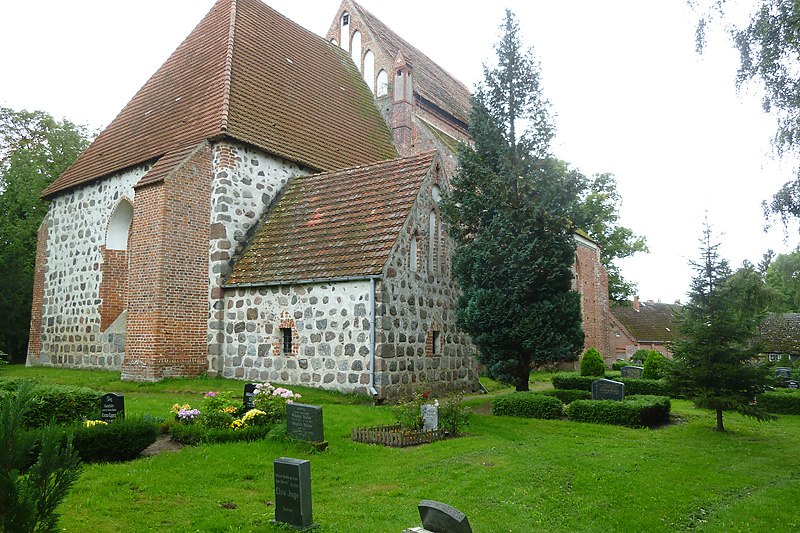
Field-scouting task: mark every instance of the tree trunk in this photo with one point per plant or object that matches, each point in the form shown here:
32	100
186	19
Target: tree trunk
719	427
522	383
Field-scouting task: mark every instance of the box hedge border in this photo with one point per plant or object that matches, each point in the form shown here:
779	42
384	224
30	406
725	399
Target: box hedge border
634	411
528	405
633	386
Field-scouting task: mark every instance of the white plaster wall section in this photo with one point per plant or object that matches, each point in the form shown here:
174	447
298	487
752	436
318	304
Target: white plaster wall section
332	323
79	218
240	195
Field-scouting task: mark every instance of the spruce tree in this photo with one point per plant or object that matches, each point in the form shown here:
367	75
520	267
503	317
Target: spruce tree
714	360
510	212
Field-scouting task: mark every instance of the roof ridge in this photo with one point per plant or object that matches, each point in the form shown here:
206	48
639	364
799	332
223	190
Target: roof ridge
421	155
226	95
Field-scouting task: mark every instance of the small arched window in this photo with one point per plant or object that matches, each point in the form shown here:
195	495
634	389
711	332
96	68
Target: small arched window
382	83
432	240
412	259
356	49
369	70
119	226
344	31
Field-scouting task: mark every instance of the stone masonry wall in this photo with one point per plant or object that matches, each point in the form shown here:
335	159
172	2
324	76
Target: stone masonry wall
419	346
329	325
71	333
245	183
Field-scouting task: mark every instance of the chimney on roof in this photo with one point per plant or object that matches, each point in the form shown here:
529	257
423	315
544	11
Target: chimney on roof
402	105
636	303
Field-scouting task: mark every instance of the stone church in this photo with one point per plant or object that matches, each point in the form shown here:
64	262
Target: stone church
266	208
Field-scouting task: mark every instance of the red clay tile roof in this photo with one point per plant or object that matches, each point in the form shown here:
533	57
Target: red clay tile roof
249	73
431	81
780	333
334	225
171	161
652	323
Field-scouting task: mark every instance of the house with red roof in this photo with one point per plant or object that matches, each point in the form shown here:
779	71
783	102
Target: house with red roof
266	208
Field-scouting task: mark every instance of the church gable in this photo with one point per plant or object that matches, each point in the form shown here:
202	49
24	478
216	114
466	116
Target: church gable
333	225
249	73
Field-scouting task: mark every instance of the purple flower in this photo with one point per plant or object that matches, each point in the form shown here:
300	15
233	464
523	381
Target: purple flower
210	394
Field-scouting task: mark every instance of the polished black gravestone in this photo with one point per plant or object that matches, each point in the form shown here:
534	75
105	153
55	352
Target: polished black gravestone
632	371
304	422
249	393
112	406
792	384
439	517
293	492
606	389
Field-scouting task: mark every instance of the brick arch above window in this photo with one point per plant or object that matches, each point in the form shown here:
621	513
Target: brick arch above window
286	340
119	225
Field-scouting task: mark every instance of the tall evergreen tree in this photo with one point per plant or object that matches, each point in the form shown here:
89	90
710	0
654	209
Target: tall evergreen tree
510	212
34	150
713	362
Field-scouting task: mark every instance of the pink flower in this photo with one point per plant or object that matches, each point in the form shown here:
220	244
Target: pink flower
210	394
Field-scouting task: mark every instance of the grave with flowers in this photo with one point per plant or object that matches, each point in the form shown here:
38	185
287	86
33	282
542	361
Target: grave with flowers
220	417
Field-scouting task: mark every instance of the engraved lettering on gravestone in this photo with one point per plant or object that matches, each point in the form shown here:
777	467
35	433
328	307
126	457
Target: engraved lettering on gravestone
606	389
293	492
632	371
442	518
430	416
112	405
304	422
783	372
249	392
792	384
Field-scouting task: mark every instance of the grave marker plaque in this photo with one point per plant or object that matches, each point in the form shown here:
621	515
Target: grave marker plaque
783	372
606	389
792	384
249	393
304	422
430	417
112	405
632	371
440	517
293	492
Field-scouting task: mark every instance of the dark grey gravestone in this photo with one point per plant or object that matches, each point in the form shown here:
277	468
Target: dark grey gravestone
293	492
304	422
112	406
606	389
783	372
792	384
430	417
249	393
632	371
439	517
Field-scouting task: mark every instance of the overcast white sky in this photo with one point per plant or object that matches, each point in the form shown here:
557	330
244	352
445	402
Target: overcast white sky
631	97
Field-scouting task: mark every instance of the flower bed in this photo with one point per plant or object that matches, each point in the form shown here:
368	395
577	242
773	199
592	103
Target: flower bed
395	436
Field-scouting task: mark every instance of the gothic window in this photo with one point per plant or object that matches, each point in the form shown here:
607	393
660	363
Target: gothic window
432	242
383	83
412	260
435	350
369	70
356	49
344	31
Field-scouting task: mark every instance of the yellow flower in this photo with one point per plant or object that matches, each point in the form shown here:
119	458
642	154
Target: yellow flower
92	423
176	408
229	409
238	424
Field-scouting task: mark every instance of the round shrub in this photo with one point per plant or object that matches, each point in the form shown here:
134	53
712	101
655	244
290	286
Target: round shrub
592	363
656	366
619	363
528	405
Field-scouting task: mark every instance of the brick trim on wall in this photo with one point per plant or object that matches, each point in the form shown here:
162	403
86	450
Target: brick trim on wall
35	339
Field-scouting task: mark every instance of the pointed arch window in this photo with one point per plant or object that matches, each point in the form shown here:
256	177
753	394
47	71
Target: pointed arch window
119	226
413	259
369	70
344	31
432	241
382	83
356	49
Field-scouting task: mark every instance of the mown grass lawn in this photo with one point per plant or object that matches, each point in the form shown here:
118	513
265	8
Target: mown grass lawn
506	475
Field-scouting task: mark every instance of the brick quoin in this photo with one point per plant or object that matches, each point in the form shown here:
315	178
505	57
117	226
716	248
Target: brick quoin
35	339
166	333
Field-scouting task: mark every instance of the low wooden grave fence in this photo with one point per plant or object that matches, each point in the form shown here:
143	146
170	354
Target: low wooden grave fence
395	436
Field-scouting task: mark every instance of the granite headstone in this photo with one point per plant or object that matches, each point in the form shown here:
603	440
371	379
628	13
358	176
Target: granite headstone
439	517
112	406
293	492
606	389
430	417
249	393
304	422
783	372
632	371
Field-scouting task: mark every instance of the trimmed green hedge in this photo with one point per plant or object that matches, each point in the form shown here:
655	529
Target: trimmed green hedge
528	405
574	381
780	402
60	404
634	411
123	440
568	396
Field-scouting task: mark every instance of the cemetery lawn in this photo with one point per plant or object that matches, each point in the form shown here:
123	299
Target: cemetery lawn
507	474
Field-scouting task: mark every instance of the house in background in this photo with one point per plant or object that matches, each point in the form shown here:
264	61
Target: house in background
266	208
779	335
642	325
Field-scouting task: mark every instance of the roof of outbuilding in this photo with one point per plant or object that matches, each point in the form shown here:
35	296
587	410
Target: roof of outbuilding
249	73
653	322
334	225
431	81
780	333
